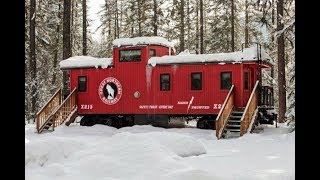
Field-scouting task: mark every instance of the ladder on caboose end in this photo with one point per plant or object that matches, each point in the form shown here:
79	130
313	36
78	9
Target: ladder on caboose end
56	111
236	120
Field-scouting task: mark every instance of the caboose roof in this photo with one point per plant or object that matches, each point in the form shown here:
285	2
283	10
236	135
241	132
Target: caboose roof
85	62
248	55
152	40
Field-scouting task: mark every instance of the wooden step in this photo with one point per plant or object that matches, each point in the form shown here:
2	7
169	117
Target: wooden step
72	118
233	130
233	125
234	121
236	113
235	117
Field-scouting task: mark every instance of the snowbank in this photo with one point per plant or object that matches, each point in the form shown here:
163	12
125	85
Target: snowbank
248	54
180	145
155	40
49	149
145	152
85	62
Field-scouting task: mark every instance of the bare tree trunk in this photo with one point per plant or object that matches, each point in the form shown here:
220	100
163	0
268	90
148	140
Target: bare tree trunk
72	24
155	18
132	8
115	20
33	61
67	52
197	28
246	29
121	18
272	37
227	23
281	64
109	26
182	26
107	9
139	18
84	27
55	59
232	25
188	24
201	27
272	18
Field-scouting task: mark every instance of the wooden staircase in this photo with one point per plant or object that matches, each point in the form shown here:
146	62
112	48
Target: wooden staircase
235	122
233	125
56	111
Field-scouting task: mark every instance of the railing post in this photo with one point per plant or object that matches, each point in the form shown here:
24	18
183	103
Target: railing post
252	104
224	112
60	97
38	123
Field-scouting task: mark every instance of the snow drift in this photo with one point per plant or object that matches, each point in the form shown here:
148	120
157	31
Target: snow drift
145	152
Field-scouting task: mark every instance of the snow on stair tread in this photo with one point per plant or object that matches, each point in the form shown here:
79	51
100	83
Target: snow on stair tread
233	125
232	116
234	121
233	130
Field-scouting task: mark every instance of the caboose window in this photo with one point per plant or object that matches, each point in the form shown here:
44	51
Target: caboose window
82	83
131	55
196	81
152	52
226	80
164	82
246	81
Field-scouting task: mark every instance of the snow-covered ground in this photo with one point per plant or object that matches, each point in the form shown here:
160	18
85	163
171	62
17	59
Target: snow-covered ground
151	153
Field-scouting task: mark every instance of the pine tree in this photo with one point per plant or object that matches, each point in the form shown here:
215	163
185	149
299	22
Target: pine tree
67	51
181	37
33	62
155	18
281	63
246	25
232	26
201	27
84	27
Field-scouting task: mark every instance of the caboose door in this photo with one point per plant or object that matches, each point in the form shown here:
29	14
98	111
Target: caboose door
247	84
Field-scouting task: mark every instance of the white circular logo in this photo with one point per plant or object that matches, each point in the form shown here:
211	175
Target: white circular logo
136	94
110	90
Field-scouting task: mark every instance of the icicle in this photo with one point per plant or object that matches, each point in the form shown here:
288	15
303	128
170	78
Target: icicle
148	77
174	68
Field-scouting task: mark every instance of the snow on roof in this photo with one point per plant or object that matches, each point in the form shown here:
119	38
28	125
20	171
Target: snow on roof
248	54
85	62
156	40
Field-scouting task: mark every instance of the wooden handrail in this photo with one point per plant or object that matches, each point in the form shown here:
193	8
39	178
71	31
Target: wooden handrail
224	113
249	110
44	113
65	109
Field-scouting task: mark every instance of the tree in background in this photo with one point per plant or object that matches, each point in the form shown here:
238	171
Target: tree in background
33	62
155	18
232	26
67	51
84	27
201	27
182	19
281	63
246	28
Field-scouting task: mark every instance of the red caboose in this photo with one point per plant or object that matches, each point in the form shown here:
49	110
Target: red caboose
145	82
